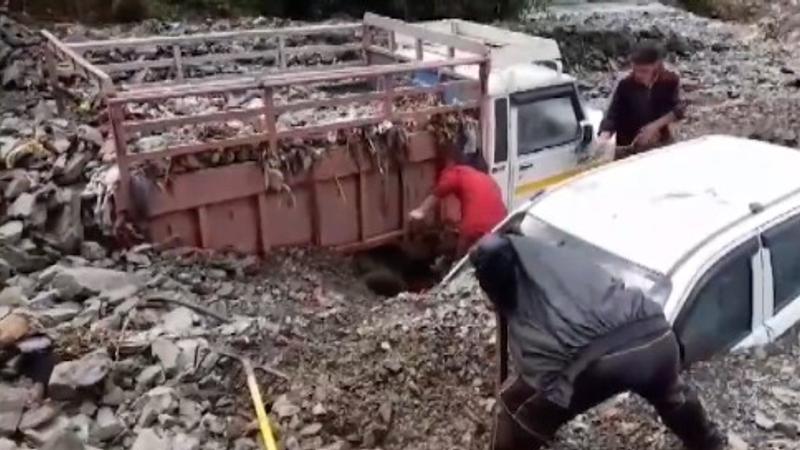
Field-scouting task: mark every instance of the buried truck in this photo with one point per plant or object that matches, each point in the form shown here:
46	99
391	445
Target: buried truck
321	135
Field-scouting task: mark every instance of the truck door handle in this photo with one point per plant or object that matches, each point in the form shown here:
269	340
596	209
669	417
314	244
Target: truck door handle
525	166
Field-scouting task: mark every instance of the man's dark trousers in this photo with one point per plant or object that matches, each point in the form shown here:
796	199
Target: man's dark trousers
649	367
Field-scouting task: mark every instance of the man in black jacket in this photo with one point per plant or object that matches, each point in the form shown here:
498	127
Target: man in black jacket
579	336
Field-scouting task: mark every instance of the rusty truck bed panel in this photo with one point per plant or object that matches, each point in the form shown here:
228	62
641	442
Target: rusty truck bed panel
345	200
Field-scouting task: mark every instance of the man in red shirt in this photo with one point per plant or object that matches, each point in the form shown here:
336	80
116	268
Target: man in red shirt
481	202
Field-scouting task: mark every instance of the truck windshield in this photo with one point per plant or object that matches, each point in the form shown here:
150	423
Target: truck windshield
652	283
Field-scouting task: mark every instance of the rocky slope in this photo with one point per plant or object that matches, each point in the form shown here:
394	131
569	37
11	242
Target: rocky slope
139	339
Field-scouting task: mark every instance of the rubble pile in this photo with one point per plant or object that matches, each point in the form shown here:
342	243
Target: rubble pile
736	78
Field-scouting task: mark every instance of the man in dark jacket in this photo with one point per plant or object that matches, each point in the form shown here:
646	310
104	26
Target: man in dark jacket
644	104
579	336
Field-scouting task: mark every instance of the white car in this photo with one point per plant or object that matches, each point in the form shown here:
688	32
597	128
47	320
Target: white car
710	228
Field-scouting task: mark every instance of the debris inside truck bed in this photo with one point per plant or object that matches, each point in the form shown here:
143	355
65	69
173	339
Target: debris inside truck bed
138	336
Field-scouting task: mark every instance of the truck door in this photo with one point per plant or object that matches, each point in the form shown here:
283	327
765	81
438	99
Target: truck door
545	134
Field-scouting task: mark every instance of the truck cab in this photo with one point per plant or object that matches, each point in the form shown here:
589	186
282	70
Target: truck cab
537	129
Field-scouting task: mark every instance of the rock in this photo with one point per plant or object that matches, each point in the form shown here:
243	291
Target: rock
17	186
37	417
284	408
21	260
13	296
6	444
66	440
788	429
191	412
49	432
114	395
213	424
23	207
107	426
245	444
69	378
80	282
148	376
764	422
12	75
88	408
13	327
92	135
65	226
74	167
318	410
311	430
168	354
92	251
183	441
58	315
178	321
12	404
6	271
735	442
148	439
11	232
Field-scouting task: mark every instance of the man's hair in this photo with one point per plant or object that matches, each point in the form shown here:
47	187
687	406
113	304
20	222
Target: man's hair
647	52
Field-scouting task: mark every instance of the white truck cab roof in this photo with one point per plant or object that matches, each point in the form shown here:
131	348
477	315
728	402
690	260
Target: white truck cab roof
656	209
519	62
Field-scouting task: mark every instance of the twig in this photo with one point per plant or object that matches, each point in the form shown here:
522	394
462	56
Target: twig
196	308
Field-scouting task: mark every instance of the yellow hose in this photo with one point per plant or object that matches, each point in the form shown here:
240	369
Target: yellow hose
258	403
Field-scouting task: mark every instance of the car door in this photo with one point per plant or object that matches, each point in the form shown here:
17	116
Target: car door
782	250
545	134
724	305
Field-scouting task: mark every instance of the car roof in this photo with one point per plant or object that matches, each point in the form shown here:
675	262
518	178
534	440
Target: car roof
655	208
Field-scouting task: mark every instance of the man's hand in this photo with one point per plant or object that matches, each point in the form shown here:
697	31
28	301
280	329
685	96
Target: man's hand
648	136
417	215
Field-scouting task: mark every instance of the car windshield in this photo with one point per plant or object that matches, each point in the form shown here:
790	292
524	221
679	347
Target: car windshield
652	283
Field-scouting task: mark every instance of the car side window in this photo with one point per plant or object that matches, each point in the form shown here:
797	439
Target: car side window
783	242
719	311
547	122
500	130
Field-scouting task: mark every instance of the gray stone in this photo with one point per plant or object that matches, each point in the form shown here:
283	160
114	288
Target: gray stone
149	376
114	395
168	354
735	442
107	426
787	428
148	439
6	271
58	315
90	313
22	260
284	408
65	227
38	436
13	74
764	422
178	321
183	441
13	296
214	424
80	282
80	425
12	404
6	444
92	251
311	430
42	415
11	232
190	352
245	444
23	207
68	378
17	186
73	169
191	412
65	440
